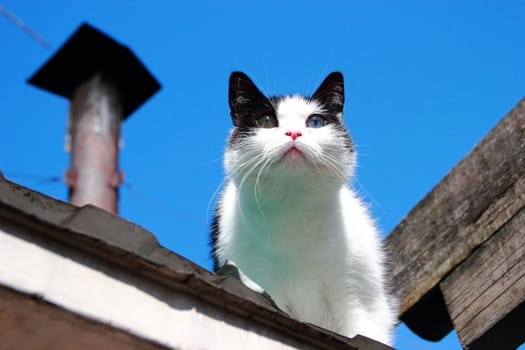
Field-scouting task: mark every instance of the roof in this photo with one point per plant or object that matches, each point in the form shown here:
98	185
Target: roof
88	233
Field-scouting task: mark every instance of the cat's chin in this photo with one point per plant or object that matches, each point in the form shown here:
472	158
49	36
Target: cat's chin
293	155
293	160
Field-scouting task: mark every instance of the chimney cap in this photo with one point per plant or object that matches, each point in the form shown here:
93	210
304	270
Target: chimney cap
89	52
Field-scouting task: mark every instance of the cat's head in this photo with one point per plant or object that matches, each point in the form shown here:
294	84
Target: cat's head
288	137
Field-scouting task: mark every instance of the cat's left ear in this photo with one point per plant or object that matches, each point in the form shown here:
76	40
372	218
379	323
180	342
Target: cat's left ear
331	93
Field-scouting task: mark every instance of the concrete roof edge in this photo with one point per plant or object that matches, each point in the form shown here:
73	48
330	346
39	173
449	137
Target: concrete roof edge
128	245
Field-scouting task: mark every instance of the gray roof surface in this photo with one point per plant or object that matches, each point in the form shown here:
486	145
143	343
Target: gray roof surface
119	241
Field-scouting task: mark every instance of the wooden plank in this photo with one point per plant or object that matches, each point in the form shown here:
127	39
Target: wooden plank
494	267
501	210
470	203
508	331
489	285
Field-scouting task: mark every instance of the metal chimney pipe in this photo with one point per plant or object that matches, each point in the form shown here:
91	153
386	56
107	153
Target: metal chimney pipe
105	83
95	115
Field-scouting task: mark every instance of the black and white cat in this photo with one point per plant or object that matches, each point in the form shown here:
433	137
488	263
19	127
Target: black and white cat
288	218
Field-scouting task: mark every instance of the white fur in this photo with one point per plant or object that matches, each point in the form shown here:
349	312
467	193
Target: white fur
294	226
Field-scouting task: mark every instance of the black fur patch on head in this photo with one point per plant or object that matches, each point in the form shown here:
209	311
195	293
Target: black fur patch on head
246	101
247	104
331	93
349	145
331	96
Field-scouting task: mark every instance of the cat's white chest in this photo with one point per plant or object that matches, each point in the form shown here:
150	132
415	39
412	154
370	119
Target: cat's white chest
298	256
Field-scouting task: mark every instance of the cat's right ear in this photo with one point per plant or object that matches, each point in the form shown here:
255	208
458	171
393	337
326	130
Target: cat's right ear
243	96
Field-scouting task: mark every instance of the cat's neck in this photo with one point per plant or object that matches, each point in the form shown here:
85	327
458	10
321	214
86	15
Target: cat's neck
287	197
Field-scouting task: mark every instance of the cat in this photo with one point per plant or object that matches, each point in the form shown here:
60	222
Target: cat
288	218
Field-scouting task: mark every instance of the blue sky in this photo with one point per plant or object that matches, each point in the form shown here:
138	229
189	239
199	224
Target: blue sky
425	81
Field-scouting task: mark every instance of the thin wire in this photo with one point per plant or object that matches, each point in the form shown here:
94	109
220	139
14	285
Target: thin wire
164	206
40	179
20	24
157	204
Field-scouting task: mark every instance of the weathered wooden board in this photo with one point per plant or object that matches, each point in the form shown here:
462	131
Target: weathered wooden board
472	202
489	285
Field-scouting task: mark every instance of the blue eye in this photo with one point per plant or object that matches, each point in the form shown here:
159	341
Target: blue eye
315	121
266	121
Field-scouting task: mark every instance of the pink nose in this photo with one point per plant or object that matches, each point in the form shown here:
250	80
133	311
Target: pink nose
293	134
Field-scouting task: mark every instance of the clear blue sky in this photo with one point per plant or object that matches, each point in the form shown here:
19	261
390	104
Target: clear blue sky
424	82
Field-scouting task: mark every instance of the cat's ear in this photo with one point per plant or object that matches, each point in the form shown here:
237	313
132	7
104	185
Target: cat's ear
331	93
243	96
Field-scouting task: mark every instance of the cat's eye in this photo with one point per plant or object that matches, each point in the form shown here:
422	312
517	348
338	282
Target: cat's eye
267	121
315	121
